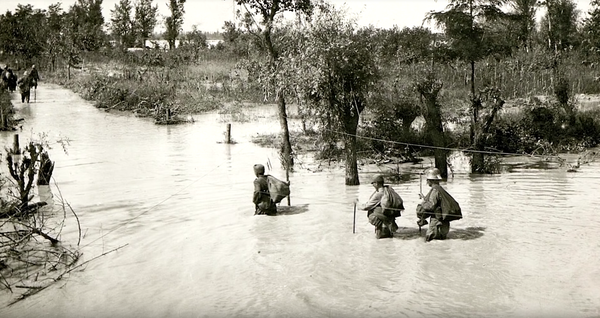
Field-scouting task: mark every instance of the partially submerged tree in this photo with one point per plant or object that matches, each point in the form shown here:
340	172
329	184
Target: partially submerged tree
489	102
267	11
335	68
429	89
174	22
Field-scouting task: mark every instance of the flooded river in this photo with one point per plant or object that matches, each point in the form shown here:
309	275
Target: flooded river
178	202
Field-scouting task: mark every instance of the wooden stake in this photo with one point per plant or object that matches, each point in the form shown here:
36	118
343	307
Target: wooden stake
228	136
354	220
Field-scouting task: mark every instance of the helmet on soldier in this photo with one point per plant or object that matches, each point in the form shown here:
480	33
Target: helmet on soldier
378	179
259	169
433	174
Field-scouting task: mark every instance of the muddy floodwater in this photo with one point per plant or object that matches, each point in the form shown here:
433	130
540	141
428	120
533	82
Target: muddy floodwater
178	202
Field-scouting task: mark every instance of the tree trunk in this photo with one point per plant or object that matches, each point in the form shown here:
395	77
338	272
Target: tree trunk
477	159
286	145
350	149
474	106
435	131
482	128
429	90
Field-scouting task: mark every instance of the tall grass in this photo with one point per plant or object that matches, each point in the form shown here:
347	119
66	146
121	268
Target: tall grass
142	82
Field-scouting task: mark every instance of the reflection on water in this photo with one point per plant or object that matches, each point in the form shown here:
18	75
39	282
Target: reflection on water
180	200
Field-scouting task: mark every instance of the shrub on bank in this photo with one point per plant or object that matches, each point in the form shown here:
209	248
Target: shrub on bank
524	131
6	111
141	81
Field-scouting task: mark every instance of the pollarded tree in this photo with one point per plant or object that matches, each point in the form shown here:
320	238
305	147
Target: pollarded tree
174	22
145	20
267	11
335	69
465	23
122	26
429	89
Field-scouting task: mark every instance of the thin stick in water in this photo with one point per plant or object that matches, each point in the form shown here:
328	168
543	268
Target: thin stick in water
354	220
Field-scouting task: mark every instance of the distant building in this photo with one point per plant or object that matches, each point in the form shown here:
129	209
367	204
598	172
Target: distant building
159	44
213	43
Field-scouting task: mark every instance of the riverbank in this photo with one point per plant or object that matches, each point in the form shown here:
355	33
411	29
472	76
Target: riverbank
173	95
170	197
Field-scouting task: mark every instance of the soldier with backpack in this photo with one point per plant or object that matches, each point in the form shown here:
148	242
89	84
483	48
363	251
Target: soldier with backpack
383	207
25	87
263	203
439	206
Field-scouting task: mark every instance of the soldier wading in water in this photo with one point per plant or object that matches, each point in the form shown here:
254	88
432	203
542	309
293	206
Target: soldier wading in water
438	206
380	214
262	198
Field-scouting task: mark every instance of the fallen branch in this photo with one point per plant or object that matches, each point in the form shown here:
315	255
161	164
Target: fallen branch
34	290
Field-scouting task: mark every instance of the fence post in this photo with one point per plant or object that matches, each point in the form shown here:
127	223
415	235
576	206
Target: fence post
228	136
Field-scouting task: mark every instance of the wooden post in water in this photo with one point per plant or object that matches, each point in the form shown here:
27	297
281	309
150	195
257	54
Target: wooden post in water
228	134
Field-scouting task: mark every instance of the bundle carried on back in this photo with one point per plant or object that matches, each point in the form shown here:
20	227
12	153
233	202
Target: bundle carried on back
450	208
391	203
277	189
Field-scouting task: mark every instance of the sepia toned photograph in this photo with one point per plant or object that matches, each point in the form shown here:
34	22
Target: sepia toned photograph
300	158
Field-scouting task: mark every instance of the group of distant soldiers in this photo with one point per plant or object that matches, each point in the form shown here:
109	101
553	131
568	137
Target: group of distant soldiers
10	81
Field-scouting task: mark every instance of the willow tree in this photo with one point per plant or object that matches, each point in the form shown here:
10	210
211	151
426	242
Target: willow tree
87	24
429	89
145	20
122	25
174	22
522	21
335	69
267	12
465	23
559	25
591	29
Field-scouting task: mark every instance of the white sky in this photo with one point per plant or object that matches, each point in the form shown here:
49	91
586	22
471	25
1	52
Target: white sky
209	15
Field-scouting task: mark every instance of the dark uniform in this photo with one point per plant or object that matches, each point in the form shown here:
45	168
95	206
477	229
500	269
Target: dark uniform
262	198
385	225
431	208
25	87
35	77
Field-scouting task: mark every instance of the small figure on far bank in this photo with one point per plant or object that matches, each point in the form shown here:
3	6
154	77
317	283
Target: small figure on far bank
381	213
439	206
25	87
35	76
9	79
262	198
